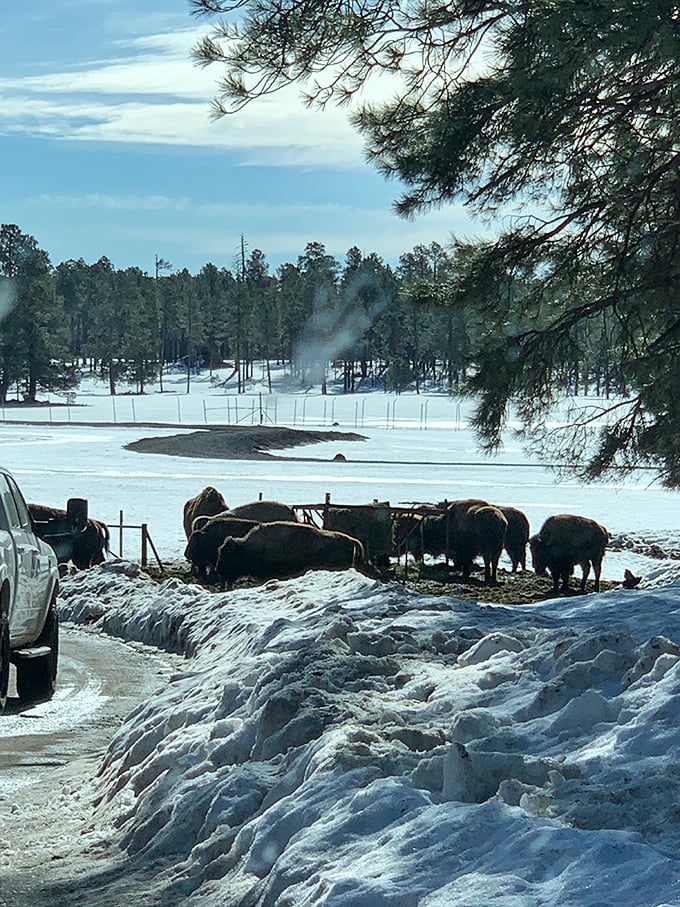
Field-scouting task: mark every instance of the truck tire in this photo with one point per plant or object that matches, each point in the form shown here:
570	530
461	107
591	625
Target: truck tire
4	658
37	677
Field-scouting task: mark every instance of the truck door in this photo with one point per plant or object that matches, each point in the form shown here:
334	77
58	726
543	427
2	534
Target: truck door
24	614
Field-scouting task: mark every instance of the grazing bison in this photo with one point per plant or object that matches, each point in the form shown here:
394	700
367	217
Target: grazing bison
408	530
516	536
564	541
207	503
284	549
207	536
264	512
469	528
84	548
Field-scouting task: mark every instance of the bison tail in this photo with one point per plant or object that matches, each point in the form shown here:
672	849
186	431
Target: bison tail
359	554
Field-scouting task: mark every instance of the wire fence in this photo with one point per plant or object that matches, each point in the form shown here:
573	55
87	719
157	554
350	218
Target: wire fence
345	411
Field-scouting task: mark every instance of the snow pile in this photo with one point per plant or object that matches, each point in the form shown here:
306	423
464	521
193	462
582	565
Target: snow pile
339	741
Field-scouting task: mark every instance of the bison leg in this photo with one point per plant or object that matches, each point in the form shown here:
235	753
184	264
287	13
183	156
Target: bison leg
597	567
585	566
491	571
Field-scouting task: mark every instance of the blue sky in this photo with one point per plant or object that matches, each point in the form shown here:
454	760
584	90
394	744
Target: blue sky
107	148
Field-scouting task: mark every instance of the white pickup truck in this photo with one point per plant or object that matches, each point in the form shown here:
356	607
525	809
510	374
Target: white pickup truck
29	583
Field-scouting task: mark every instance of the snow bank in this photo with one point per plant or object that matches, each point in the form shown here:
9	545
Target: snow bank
338	741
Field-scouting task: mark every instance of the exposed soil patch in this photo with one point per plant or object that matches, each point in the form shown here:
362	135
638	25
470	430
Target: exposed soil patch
238	442
520	588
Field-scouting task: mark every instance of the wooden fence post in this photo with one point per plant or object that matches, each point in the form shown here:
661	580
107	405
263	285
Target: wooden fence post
145	538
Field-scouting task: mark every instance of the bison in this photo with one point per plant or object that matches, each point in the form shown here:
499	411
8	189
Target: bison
284	549
516	536
469	528
408	530
207	536
565	540
84	548
371	524
480	530
207	503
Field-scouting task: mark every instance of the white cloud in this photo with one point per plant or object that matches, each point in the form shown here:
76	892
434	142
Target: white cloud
276	130
159	97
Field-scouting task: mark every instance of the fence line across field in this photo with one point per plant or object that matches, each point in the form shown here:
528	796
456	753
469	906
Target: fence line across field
320	411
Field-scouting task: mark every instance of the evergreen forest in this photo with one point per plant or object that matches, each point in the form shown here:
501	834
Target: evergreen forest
360	319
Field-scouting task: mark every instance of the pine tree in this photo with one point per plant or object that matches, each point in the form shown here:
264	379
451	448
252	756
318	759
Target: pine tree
33	339
558	119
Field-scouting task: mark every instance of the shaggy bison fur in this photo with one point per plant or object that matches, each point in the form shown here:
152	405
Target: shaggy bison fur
565	540
207	503
264	512
480	530
517	533
284	549
516	537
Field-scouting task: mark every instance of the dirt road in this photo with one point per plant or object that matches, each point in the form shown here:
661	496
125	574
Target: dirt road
49	755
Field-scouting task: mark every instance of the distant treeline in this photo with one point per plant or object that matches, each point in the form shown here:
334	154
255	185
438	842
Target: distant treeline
392	327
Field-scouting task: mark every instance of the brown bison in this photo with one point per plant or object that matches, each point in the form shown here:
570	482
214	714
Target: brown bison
284	549
207	536
469	528
408	530
371	524
207	503
480	531
84	548
565	540
516	536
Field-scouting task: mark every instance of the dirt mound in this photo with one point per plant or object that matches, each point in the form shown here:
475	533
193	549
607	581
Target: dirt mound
237	442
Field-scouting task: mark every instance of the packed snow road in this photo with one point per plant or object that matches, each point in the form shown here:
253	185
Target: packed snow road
50	752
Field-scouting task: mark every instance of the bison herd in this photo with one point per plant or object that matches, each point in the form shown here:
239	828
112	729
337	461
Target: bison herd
263	539
266	539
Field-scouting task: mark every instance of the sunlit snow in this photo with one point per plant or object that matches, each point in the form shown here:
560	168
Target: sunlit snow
335	740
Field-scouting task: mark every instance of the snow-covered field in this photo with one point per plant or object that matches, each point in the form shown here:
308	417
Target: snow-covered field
417	448
338	741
